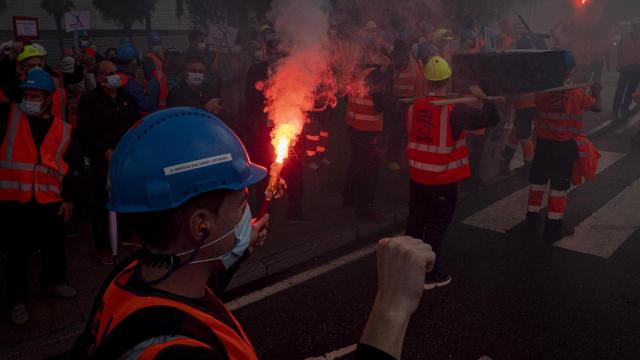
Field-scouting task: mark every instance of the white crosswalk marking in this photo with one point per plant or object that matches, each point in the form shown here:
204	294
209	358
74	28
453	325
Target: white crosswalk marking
606	229
508	212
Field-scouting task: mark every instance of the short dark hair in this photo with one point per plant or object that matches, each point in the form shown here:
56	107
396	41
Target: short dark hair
158	229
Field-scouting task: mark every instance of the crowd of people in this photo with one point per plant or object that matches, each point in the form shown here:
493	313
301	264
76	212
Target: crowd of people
84	116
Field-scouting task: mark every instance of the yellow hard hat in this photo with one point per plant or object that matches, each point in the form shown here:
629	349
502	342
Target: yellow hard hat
437	69
442	34
29	51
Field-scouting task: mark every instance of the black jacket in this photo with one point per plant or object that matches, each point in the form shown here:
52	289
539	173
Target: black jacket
183	95
102	121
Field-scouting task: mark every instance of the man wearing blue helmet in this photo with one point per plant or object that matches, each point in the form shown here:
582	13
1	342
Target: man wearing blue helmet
127	61
181	177
36	190
559	139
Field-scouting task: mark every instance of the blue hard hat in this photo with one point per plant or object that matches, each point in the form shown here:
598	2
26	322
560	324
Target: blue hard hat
127	52
176	154
569	60
39	79
83	33
153	38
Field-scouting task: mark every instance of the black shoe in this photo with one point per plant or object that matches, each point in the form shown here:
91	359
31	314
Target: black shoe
555	230
435	280
533	221
70	232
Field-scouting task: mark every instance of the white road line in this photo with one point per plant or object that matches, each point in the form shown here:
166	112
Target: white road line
336	354
508	212
605	230
298	279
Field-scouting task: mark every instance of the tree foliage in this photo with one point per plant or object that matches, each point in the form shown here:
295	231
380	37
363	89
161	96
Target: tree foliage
125	12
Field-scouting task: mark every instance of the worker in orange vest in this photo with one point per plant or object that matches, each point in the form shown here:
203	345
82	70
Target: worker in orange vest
154	71
629	69
365	119
558	124
36	184
408	82
438	159
156	304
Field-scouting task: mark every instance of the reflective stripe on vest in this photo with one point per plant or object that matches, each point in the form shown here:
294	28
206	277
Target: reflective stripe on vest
404	84
119	302
558	126
363	116
434	157
26	171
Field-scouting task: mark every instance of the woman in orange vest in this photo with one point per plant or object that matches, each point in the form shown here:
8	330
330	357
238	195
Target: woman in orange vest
35	190
558	124
156	304
438	159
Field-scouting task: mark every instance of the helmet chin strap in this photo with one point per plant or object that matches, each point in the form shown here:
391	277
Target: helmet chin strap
173	262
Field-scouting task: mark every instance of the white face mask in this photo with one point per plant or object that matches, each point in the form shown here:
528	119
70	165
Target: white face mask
90	81
84	42
195	79
31	107
113	81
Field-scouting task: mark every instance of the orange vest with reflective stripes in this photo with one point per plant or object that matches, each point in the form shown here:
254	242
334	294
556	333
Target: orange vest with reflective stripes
59	100
362	114
556	119
161	78
408	81
629	53
435	158
119	302
27	172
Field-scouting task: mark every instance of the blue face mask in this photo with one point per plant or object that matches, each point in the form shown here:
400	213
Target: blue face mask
243	238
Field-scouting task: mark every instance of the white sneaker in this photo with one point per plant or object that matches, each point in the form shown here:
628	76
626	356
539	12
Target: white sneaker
19	314
64	291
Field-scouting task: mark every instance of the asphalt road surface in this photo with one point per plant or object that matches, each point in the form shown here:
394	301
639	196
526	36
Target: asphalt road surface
513	296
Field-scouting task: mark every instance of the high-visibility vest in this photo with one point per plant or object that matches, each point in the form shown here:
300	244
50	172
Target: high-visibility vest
585	168
555	120
435	158
407	82
160	76
27	172
120	302
362	114
629	53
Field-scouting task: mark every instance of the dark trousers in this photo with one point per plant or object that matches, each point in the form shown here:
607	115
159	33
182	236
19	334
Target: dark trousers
628	82
553	163
99	211
29	227
431	209
364	169
395	128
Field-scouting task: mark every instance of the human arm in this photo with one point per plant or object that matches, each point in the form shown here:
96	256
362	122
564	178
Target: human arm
144	102
465	117
402	265
594	103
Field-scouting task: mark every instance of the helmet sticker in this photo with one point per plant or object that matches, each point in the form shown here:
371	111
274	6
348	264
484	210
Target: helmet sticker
197	164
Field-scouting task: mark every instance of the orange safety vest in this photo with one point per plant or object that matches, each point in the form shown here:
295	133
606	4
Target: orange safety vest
408	82
27	172
161	78
558	119
435	158
629	53
362	114
585	168
119	302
